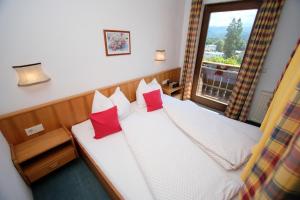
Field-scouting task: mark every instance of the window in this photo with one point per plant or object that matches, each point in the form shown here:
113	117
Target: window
225	32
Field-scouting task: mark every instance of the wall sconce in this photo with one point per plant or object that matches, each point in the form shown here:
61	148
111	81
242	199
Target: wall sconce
31	74
160	55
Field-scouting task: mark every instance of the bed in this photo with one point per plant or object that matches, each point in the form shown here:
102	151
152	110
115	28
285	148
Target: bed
117	164
229	142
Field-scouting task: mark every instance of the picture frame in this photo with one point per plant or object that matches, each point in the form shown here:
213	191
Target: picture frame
117	42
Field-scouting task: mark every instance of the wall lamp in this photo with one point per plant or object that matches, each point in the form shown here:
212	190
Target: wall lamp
160	55
31	74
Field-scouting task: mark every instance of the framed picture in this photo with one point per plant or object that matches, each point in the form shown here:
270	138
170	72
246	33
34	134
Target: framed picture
117	42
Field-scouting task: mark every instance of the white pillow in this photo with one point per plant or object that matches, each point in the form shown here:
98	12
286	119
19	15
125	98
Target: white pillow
154	85
100	102
123	105
142	88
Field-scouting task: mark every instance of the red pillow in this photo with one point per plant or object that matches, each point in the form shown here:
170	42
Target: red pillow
153	100
105	122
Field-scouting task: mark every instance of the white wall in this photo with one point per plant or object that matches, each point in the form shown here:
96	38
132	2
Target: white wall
12	186
284	41
285	38
67	37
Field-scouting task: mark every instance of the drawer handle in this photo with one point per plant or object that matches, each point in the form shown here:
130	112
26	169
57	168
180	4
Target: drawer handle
53	166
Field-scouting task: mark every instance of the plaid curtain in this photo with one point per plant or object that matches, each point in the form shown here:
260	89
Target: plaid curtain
258	45
272	154
284	182
190	49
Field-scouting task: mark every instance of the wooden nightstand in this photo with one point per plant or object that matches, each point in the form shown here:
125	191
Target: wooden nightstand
43	154
174	92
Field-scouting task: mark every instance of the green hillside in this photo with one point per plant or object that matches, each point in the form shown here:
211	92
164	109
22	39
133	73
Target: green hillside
219	32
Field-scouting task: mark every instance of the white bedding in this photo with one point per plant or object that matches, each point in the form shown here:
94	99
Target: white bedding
173	167
227	141
113	156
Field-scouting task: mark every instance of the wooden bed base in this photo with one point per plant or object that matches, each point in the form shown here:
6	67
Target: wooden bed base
106	183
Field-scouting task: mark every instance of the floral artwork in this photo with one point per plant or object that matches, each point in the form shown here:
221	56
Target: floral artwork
117	42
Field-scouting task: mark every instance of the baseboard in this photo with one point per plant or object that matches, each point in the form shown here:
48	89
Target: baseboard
253	123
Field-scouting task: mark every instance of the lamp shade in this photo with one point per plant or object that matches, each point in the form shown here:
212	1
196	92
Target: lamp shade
30	74
160	55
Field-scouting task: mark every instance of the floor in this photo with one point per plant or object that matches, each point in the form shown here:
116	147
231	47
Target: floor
71	182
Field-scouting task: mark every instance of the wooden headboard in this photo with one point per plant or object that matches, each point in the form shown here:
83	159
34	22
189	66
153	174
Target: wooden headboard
67	111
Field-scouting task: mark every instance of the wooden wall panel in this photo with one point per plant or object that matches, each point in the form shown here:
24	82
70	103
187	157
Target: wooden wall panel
105	92
23	121
65	113
68	111
79	109
88	99
110	90
48	118
10	131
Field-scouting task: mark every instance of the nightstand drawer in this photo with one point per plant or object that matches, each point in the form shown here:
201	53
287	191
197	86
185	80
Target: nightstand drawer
49	163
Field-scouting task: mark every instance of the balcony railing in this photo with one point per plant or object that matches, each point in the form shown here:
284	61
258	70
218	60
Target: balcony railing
217	81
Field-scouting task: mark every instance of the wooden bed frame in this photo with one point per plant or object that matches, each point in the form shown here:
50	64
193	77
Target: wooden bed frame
106	183
68	112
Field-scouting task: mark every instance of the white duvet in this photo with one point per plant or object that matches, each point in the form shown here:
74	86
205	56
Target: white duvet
227	141
173	167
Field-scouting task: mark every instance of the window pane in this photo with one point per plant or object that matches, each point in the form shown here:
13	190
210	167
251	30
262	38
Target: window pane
226	41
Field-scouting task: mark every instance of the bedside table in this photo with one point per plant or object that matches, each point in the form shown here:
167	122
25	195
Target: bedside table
174	92
43	154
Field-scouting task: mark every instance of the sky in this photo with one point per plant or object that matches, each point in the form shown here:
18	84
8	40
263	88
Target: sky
224	18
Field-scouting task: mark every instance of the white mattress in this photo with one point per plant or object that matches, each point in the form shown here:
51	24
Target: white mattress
115	158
